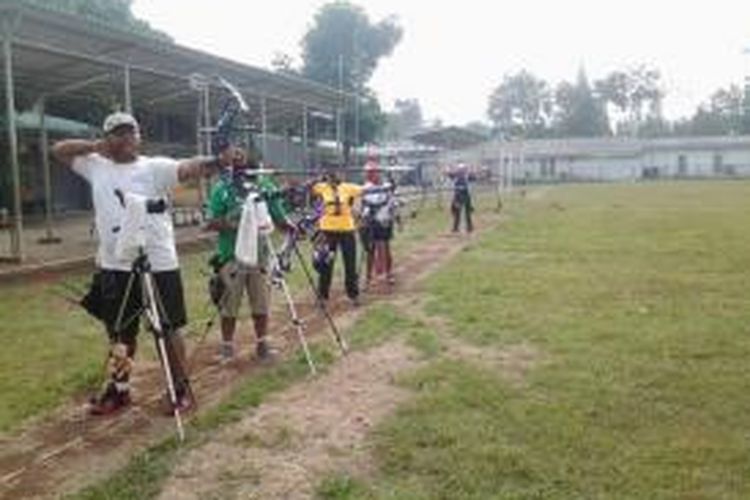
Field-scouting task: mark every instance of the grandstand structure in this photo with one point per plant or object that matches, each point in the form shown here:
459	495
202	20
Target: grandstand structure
50	56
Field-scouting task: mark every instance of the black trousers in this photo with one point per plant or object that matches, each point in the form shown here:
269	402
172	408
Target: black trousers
348	243
462	201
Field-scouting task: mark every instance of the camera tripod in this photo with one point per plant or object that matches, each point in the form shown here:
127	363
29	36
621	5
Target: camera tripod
152	309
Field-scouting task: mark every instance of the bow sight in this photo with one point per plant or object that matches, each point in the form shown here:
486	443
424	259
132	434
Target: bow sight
233	119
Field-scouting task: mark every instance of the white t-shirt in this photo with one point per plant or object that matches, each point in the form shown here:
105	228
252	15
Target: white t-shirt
152	177
377	203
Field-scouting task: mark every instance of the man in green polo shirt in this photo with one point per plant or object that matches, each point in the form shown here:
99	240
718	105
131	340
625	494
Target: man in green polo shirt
225	209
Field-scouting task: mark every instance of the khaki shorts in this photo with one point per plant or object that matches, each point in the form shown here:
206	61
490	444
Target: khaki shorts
239	278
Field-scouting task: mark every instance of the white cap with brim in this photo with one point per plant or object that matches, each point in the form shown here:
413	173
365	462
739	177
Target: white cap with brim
119	119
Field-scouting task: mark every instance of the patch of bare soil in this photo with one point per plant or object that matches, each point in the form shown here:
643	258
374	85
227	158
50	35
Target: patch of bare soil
512	362
316	427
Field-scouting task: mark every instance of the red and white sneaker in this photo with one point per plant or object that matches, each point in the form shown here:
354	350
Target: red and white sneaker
109	403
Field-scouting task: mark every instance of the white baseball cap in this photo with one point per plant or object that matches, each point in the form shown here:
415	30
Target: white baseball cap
118	120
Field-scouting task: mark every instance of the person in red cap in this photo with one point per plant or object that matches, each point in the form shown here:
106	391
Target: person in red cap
377	219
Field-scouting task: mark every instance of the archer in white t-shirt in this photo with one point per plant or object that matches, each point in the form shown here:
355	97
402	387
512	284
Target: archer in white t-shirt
114	164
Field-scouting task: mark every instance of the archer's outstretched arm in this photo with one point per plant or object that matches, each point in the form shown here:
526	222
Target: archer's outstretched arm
198	166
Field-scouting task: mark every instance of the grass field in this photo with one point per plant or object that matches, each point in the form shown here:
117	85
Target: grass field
630	303
634	300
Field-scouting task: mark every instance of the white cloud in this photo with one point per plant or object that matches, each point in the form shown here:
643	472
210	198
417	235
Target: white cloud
454	53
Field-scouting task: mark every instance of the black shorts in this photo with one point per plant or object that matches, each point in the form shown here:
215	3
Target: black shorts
381	233
108	292
375	232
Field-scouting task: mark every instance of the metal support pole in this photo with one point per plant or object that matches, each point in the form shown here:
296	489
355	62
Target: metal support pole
287	140
128	97
356	128
17	235
206	120
339	145
199	126
339	117
501	169
49	236
203	186
305	153
521	164
263	127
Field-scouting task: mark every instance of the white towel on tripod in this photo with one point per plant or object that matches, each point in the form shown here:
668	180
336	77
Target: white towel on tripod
132	234
254	222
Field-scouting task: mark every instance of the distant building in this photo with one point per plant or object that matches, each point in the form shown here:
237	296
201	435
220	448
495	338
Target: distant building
421	158
612	159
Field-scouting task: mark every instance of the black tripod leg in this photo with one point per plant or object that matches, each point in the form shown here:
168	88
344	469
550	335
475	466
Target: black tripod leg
334	329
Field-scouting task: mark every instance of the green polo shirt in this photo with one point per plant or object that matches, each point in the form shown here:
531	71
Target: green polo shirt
225	203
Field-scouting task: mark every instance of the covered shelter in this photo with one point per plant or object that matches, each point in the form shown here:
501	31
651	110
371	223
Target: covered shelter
448	138
48	53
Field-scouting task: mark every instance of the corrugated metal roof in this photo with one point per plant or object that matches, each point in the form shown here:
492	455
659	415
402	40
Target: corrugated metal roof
54	51
448	137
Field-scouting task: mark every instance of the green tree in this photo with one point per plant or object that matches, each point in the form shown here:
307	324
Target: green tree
722	115
746	108
521	106
480	128
110	12
372	119
578	111
637	96
342	49
404	120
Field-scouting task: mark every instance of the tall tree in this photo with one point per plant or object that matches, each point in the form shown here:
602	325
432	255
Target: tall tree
521	106
722	115
342	49
480	128
636	94
405	119
112	12
372	118
746	108
578	111
343	46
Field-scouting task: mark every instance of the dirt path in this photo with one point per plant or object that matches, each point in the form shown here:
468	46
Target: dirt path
319	428
298	436
69	450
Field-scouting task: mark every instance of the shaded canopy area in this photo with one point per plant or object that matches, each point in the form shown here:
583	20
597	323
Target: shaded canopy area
48	54
31	121
449	138
56	53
